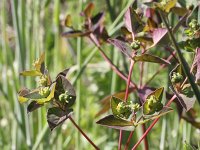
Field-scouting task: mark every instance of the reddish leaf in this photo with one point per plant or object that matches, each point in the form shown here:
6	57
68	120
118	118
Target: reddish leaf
197	59
158	34
56	116
88	10
124	47
132	21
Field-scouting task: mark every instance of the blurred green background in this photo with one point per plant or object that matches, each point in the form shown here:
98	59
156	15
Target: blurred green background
29	27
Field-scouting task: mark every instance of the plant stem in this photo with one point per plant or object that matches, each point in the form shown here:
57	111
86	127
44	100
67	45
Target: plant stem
152	125
146	145
128	141
129	80
126	97
182	60
81	131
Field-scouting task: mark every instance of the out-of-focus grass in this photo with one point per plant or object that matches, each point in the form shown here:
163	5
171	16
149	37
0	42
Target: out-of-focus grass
28	27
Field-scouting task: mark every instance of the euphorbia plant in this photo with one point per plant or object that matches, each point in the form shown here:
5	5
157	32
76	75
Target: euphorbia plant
59	94
144	28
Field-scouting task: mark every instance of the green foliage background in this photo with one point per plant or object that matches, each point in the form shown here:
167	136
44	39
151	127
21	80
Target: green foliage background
29	27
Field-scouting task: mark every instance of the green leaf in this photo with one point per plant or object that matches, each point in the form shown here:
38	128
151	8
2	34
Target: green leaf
150	58
31	73
162	112
116	123
50	97
114	102
155	105
105	102
166	5
56	116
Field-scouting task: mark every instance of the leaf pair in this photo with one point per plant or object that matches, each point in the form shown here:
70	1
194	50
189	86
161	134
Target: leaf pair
126	49
135	118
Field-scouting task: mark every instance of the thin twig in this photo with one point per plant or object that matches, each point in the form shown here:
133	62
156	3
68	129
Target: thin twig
81	131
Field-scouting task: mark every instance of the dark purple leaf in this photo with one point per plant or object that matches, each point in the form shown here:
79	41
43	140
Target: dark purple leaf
33	106
158	34
63	85
186	102
97	20
64	72
124	47
116	123
56	116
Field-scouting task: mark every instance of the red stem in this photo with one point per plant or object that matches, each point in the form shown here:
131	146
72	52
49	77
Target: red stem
81	131
146	145
125	98
128	141
152	125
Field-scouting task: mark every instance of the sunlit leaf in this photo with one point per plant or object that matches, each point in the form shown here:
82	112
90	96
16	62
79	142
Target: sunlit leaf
106	102
116	123
56	116
33	106
21	94
166	5
153	102
50	97
114	102
150	58
39	64
31	73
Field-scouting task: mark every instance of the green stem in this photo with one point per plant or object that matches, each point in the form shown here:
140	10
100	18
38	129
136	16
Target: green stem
182	60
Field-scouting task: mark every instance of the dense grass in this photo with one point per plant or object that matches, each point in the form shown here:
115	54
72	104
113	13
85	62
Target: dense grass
29	27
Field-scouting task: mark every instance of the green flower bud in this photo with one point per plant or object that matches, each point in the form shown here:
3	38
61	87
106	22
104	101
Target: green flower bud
63	97
176	77
159	106
134	107
135	45
44	91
